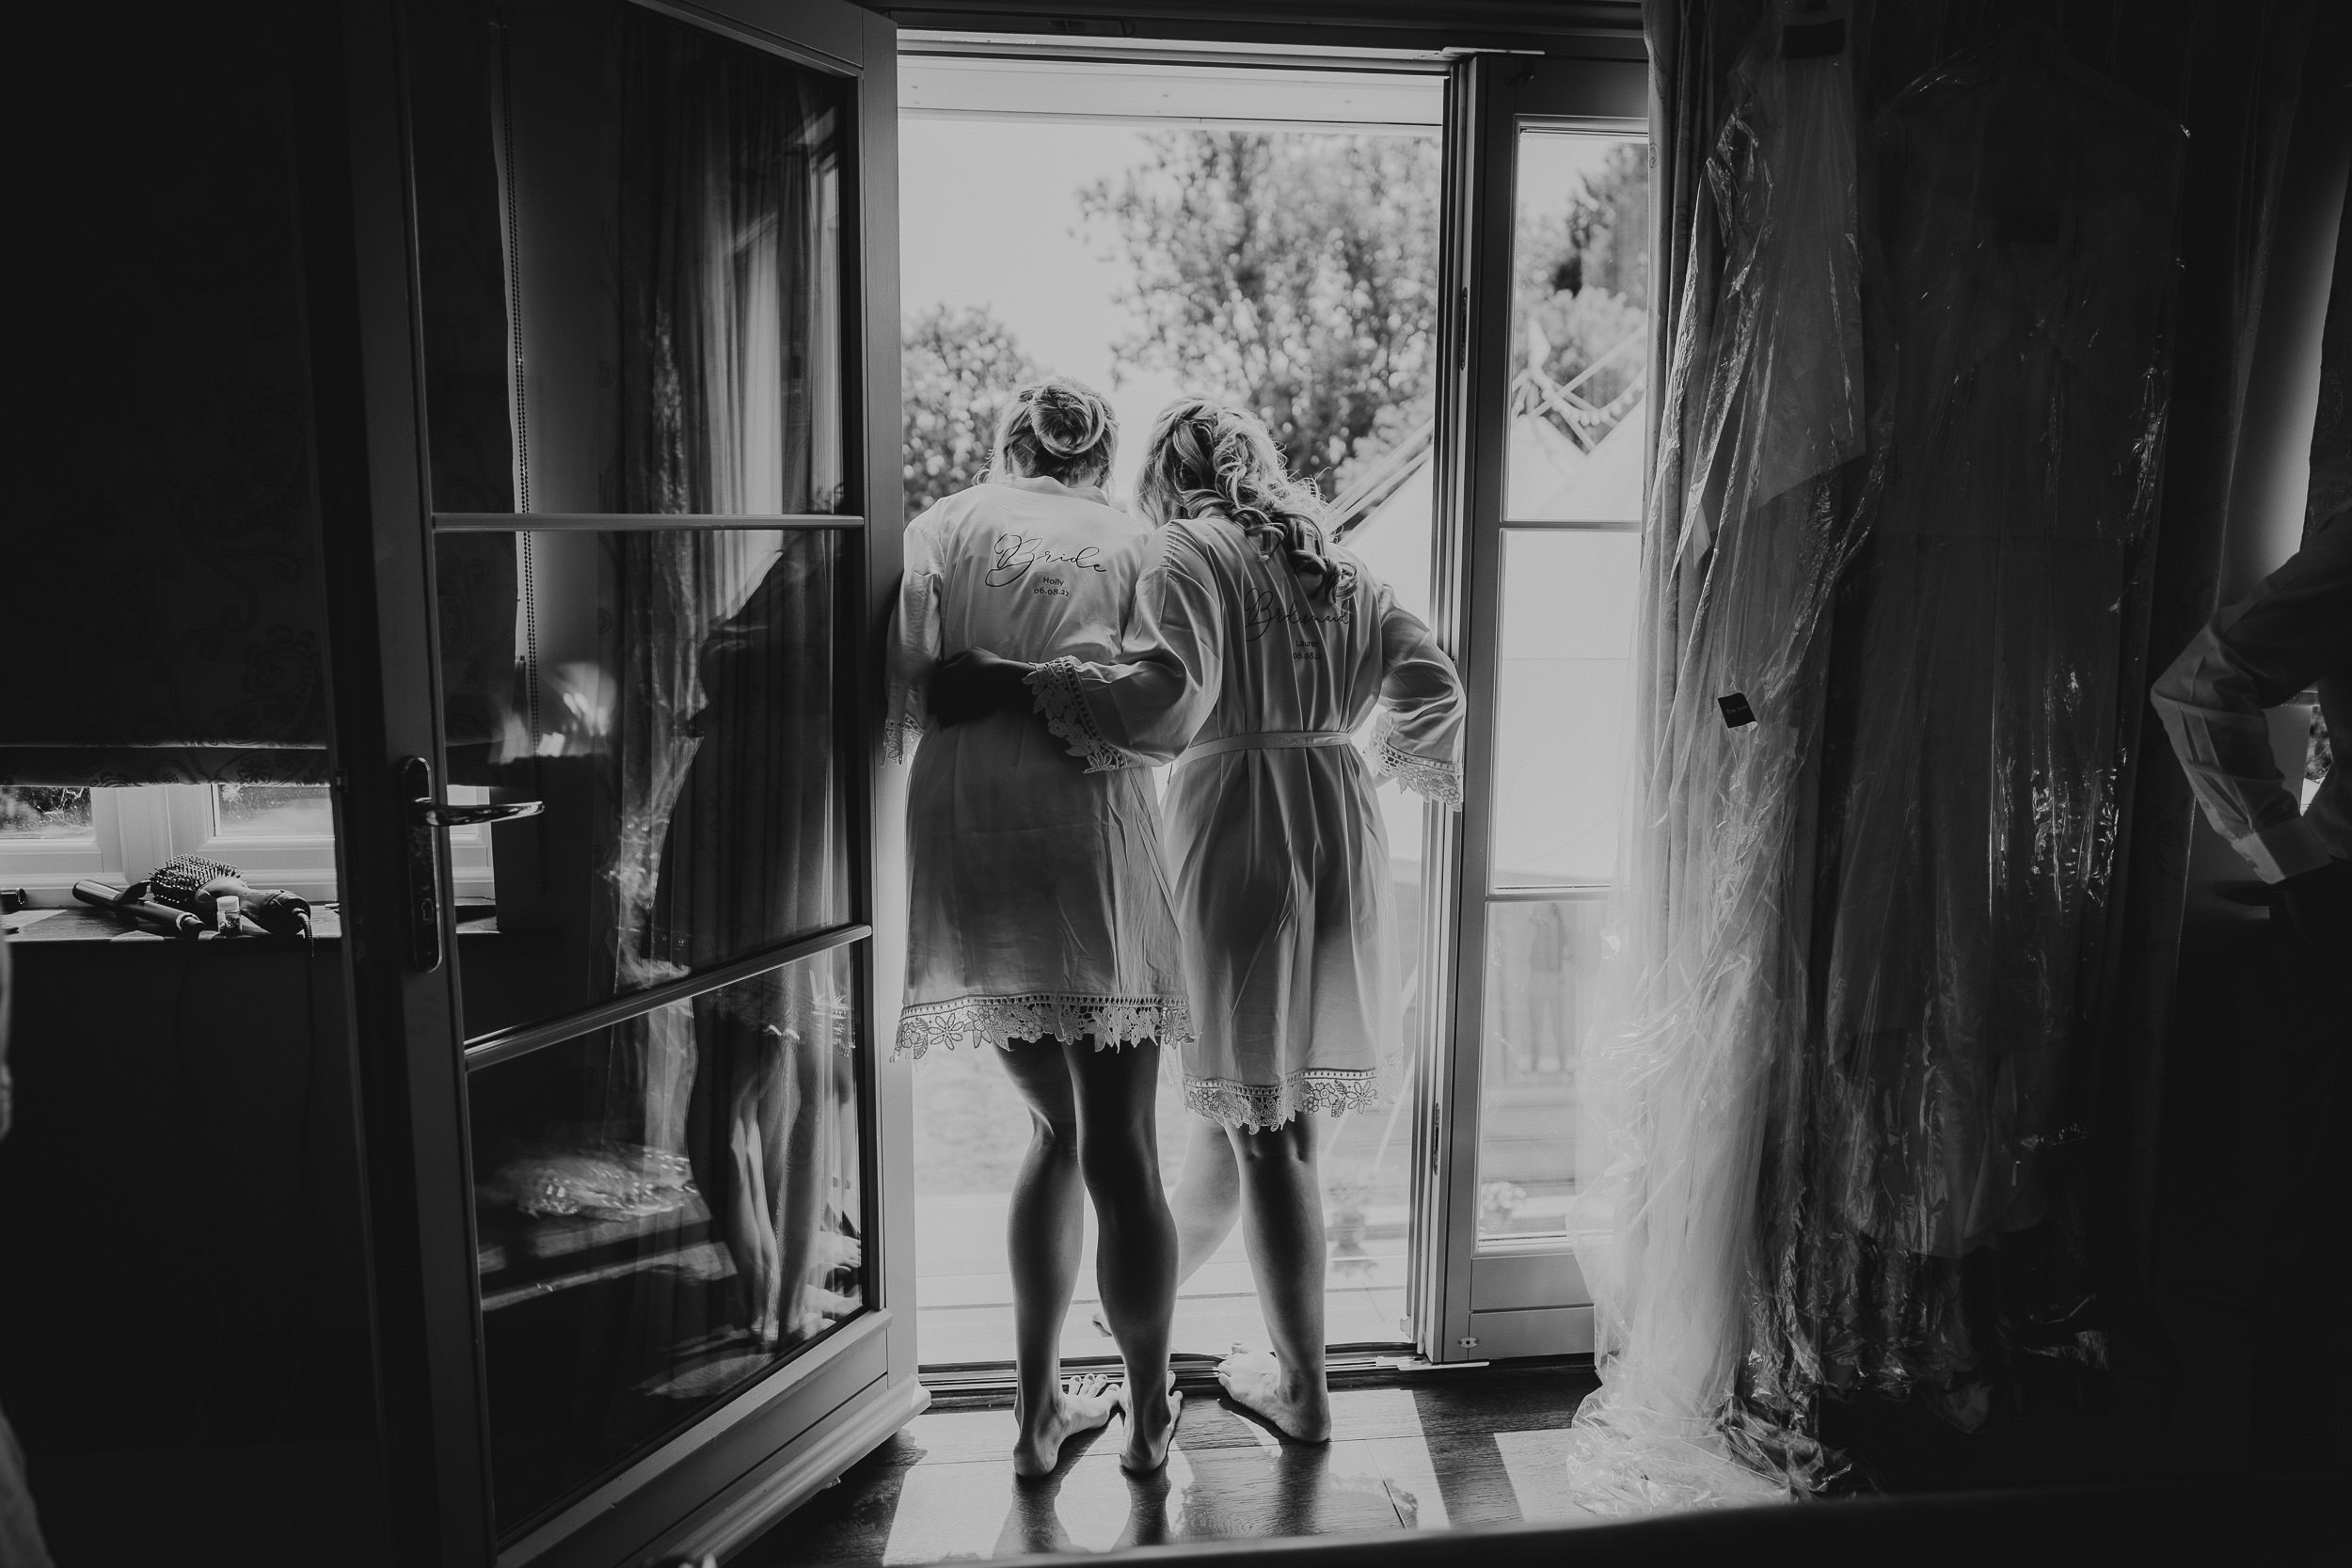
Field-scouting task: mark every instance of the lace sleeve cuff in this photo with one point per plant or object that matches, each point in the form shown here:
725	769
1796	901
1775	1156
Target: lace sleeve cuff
1427	777
899	739
1064	707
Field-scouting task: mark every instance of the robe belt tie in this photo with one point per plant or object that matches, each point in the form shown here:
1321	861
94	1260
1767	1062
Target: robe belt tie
1268	740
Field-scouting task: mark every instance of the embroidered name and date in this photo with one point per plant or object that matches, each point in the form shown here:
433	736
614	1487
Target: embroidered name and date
1017	557
1267	609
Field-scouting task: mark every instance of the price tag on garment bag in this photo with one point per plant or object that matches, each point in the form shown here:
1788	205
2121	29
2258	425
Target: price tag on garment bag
1735	710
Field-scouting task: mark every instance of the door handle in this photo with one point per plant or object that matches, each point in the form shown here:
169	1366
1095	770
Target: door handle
426	816
426	813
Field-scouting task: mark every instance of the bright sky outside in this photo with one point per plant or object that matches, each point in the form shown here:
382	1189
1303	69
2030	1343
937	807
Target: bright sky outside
988	214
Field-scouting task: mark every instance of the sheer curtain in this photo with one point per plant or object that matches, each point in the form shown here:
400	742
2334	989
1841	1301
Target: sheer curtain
1749	527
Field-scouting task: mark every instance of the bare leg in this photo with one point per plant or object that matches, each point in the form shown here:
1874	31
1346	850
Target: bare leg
1283	1223
1136	1266
1207	1200
1206	1204
751	1228
1044	1232
799	1180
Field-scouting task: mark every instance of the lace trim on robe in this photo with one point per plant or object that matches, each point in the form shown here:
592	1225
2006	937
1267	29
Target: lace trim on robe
898	738
1432	780
1263	1107
1055	683
999	1020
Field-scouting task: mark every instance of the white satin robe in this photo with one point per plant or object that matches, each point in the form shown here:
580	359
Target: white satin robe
1280	855
1038	902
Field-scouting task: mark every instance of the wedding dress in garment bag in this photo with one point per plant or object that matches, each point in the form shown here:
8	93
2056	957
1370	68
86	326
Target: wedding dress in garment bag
2027	212
1762	422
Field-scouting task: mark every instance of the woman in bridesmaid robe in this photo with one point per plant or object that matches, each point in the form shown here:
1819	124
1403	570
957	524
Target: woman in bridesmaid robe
1256	652
1039	913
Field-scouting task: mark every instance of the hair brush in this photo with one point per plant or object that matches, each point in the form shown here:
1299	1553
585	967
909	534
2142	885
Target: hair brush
195	884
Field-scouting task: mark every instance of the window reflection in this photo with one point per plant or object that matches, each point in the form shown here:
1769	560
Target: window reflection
670	697
630	248
1543	968
665	1209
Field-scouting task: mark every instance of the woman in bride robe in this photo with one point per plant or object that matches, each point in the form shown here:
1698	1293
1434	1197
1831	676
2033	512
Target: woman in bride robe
1257	651
1039	917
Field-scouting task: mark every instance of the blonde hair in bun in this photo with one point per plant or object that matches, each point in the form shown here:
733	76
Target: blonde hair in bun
1058	428
1206	460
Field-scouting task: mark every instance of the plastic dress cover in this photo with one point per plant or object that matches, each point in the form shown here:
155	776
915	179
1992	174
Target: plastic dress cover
2025	210
1763	421
1852	953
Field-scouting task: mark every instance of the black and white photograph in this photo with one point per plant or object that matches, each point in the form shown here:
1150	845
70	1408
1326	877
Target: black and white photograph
1353	783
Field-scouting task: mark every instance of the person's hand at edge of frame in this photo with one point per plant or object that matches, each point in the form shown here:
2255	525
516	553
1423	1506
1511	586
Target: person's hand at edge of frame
976	683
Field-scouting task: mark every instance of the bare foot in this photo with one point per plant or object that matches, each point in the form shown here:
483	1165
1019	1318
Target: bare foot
1150	1427
1258	1382
1081	1404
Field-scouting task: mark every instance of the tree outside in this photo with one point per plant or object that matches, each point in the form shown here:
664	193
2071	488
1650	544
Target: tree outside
1294	274
957	368
1582	283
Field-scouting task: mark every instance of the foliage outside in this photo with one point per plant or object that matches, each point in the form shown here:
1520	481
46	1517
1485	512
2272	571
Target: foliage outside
957	367
1293	275
1296	275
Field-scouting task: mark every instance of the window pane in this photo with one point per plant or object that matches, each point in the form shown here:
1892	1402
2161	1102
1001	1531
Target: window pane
1567	630
671	698
31	813
665	1209
630	246
1543	962
272	811
1579	328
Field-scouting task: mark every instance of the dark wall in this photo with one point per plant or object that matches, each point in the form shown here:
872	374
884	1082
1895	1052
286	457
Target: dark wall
184	1318
179	1206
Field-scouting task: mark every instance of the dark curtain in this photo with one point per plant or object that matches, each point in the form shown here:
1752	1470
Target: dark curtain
159	587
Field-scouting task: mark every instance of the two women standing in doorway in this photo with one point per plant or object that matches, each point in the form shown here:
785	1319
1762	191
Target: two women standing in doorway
1250	652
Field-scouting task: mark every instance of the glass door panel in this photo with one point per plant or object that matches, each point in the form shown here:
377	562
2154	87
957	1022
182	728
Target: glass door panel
1543	966
1579	327
1560	753
664	1208
631	241
1559	718
675	699
651	589
1552	435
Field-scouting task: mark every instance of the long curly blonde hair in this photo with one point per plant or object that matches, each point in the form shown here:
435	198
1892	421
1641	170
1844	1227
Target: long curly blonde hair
1206	460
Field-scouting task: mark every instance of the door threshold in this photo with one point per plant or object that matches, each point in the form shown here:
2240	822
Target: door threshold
985	1385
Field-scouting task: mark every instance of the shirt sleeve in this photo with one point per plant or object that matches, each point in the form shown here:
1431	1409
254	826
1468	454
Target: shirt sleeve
1144	708
915	644
2293	628
1417	739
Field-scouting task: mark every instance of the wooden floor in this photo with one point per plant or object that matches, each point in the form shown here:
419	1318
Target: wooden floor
1437	1448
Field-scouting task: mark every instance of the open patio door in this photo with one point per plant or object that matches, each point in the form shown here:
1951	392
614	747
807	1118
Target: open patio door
1543	418
606	315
